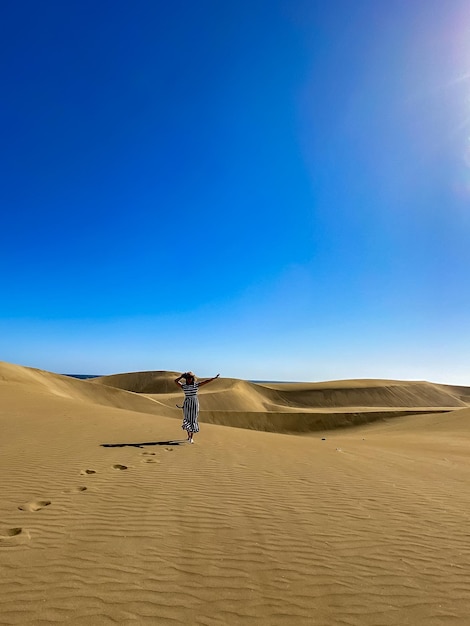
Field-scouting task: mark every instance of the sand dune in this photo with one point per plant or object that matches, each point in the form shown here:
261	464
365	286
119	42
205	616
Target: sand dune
106	518
35	381
365	393
296	407
368	393
140	382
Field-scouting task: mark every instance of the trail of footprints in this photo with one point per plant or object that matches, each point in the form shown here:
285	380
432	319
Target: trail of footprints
19	536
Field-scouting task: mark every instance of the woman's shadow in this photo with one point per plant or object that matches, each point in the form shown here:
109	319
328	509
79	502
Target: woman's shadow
172	442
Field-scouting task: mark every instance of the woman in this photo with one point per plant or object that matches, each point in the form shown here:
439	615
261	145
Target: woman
191	402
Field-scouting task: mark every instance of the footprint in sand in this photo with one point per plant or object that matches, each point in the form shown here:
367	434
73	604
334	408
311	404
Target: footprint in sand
150	461
119	467
148	453
87	471
37	505
14	537
75	490
168	449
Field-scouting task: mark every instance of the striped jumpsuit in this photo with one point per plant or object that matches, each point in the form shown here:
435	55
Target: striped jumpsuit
190	408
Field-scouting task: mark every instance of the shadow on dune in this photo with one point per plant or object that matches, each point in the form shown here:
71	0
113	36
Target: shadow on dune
172	442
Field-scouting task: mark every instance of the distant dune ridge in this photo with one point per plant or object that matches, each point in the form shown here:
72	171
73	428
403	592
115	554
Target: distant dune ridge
107	516
296	407
235	402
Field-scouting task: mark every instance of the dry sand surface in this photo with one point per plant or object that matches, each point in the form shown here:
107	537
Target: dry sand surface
361	526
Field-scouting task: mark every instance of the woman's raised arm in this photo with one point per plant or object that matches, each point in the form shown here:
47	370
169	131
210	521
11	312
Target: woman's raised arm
209	380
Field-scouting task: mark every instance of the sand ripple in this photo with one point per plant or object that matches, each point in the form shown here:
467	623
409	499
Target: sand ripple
242	528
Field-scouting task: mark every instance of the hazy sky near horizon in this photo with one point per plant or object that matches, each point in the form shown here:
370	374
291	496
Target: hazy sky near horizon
272	189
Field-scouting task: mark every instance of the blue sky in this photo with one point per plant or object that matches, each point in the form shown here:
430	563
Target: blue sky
273	189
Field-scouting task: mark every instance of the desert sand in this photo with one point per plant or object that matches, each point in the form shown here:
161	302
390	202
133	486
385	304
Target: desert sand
337	503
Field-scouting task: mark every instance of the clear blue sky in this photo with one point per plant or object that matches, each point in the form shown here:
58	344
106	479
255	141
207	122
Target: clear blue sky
272	189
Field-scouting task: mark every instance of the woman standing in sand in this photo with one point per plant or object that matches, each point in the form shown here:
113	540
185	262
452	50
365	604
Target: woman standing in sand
191	402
